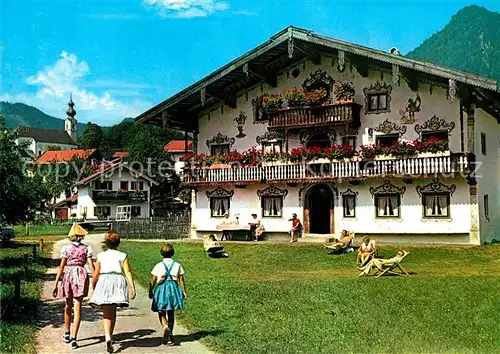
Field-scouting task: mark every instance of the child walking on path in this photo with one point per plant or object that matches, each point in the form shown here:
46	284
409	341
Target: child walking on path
168	291
75	280
110	286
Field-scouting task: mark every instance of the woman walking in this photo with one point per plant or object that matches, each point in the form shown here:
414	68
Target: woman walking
75	280
110	285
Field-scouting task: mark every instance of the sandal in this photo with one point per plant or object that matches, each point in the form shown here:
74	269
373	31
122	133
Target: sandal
66	337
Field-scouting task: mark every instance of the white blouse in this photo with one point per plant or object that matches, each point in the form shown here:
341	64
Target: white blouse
111	261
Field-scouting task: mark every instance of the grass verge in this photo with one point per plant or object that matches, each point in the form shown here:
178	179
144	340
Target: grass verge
278	298
18	320
42	230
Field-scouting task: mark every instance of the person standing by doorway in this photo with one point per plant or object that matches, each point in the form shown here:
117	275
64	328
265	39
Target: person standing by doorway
296	230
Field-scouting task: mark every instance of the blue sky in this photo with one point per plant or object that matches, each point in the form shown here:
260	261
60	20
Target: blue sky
120	57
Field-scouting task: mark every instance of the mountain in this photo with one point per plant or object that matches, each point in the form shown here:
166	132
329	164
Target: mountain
20	114
469	42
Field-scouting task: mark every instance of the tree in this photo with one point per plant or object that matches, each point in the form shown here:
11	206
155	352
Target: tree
20	196
92	137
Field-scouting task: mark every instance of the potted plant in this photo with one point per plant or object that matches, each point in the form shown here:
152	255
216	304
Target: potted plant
432	147
317	97
296	97
344	91
271	101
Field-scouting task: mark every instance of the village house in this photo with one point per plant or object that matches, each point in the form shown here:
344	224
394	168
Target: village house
177	149
114	188
38	140
352	137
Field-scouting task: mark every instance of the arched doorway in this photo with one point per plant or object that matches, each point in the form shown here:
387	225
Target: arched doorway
318	210
321	140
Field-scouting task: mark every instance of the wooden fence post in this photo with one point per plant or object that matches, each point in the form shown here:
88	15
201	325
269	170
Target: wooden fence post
17	288
34	251
41	244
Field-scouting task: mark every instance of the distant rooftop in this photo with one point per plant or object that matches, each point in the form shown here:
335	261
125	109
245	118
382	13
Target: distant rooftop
46	135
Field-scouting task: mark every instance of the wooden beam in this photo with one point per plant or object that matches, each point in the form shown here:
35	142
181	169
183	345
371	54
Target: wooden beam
412	77
228	98
361	65
269	78
312	53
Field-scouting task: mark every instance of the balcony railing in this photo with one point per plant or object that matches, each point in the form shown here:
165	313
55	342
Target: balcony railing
120	195
454	165
299	117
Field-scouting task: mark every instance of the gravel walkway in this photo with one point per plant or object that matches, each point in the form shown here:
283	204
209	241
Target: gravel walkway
137	328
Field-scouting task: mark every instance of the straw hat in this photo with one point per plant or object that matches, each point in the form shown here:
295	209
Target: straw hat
76	229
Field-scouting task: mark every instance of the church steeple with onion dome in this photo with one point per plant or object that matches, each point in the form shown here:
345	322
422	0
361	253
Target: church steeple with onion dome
70	123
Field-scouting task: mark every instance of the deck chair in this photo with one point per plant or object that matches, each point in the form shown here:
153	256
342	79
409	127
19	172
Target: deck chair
395	269
210	246
346	248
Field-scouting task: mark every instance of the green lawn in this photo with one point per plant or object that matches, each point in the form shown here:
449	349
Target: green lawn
18	321
42	230
297	298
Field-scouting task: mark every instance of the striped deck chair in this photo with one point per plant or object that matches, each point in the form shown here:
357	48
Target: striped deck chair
210	246
395	268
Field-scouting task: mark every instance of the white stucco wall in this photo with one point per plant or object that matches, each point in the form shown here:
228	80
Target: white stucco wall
85	196
411	222
38	148
488	180
435	103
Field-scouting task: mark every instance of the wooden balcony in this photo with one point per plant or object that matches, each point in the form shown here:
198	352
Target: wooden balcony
302	117
119	195
418	167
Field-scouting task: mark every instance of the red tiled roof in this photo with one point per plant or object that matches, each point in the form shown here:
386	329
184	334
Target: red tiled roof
100	169
71	200
64	155
178	146
120	154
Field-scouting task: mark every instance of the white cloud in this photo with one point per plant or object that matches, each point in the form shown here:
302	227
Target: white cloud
187	8
55	83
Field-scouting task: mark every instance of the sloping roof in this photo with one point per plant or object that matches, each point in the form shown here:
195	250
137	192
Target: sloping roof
68	201
106	168
46	135
64	155
178	146
283	50
120	154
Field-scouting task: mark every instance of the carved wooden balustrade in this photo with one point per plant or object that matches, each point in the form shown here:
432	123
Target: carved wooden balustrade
419	167
300	117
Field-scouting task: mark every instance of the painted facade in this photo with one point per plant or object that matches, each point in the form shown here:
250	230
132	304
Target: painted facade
424	198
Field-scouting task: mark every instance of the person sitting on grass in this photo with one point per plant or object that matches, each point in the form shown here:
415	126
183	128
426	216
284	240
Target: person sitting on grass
366	250
379	263
168	291
344	241
213	247
75	280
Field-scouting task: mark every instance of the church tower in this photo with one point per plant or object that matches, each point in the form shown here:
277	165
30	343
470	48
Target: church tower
70	124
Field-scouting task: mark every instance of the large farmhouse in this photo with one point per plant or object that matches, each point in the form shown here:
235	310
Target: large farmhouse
346	137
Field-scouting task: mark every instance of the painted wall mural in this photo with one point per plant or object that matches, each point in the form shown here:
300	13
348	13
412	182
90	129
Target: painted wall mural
408	114
240	121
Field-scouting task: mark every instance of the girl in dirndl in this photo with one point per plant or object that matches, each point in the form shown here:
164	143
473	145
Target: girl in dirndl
168	291
112	270
75	280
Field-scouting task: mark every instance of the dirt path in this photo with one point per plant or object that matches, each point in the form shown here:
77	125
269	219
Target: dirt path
137	328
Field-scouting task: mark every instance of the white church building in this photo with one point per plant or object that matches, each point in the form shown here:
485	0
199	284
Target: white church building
346	137
39	140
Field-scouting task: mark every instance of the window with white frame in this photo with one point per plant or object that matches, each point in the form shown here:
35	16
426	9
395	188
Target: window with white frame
387	200
219	206
103	185
272	201
102	211
436	199
220	201
377	102
137	185
272	206
136	210
274	147
349	140
221	149
436	205
388	205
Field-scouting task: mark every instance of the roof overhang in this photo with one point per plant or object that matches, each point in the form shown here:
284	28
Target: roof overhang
112	168
285	49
